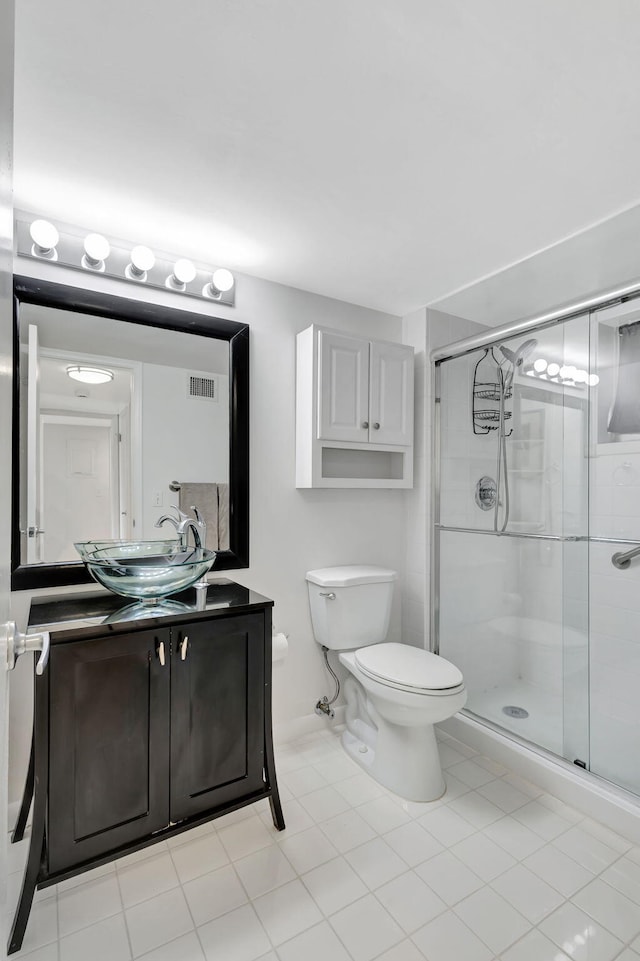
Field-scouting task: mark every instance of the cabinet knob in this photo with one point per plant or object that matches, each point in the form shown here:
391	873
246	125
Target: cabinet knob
184	644
376	426
365	424
160	652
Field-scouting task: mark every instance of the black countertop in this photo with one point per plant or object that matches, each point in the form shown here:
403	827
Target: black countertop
99	612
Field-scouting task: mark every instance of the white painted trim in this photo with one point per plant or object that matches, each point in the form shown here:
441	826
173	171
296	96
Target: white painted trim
582	790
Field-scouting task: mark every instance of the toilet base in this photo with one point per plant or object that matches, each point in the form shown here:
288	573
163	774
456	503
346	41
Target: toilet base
405	760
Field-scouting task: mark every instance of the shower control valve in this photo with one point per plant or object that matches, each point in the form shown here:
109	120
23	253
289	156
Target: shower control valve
486	493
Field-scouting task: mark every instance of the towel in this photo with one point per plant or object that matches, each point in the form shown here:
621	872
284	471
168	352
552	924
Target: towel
212	501
223	517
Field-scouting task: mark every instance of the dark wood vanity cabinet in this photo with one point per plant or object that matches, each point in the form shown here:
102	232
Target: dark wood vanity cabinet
145	729
136	744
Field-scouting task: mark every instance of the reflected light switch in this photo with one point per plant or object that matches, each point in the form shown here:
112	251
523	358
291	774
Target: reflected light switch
156	499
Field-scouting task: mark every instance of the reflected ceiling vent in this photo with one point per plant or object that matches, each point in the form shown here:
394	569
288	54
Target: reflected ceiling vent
204	388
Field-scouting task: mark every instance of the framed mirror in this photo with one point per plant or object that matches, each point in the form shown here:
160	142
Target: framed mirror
123	411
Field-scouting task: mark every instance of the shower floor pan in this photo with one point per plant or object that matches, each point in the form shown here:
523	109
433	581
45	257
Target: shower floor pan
543	724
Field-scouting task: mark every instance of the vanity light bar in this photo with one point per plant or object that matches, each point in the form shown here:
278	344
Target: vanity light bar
94	253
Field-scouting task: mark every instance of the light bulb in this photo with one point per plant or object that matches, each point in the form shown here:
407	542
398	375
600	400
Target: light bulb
568	372
580	376
222	281
553	370
142	260
593	380
96	251
90	375
183	273
45	237
540	365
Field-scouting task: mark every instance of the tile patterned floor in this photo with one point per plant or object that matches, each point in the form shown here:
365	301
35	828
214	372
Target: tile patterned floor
495	871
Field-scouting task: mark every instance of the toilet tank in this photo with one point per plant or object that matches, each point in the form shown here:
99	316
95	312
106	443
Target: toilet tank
350	606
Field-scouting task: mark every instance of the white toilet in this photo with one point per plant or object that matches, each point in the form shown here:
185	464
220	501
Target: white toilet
396	693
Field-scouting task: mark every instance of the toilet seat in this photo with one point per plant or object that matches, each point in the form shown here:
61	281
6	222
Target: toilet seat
409	669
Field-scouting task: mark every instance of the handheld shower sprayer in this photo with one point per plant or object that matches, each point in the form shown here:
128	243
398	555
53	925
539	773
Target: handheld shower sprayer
513	359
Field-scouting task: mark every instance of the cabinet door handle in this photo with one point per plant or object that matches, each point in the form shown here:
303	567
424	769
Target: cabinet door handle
184	644
376	426
365	424
160	652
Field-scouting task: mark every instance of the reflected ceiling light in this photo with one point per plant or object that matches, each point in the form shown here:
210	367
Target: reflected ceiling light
593	380
89	375
142	260
540	365
183	273
96	250
222	280
45	237
553	370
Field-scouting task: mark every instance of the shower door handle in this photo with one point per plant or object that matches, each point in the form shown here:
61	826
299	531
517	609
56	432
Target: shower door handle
623	559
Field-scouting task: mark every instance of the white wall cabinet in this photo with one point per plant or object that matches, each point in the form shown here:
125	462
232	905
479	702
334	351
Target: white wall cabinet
354	411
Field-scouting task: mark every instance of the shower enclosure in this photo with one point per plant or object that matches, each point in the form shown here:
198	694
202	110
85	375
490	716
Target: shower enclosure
536	541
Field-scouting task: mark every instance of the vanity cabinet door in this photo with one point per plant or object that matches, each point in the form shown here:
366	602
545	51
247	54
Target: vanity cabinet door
217	712
109	736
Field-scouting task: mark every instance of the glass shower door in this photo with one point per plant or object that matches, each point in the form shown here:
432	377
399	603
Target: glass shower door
615	530
512	533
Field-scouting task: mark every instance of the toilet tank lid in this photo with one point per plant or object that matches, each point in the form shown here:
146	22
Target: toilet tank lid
351	575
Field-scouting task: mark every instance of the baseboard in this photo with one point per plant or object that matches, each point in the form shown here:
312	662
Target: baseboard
297	727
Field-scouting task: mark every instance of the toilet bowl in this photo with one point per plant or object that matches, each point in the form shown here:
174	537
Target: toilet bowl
395	693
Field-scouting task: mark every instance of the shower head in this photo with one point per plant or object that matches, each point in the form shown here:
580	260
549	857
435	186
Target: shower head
516	357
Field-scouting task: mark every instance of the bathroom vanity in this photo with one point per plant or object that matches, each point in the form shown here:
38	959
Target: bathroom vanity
144	726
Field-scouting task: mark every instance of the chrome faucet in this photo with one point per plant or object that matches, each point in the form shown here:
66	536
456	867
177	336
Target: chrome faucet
168	519
183	523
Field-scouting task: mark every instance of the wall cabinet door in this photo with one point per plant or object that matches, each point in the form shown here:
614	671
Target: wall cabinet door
109	736
343	385
391	394
217	713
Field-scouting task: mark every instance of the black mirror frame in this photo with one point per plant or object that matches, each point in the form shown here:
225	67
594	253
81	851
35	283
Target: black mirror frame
47	294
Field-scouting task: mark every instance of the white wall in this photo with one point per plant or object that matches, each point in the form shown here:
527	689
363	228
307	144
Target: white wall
178	429
291	530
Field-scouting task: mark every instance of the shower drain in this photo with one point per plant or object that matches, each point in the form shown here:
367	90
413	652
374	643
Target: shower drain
511	711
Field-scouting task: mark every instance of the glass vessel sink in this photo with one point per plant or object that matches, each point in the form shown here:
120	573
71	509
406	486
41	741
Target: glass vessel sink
146	570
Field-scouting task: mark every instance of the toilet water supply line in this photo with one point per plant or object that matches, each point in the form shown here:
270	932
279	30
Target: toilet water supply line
324	704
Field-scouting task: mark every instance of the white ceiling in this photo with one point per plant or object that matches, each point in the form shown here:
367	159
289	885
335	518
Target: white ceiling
383	153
